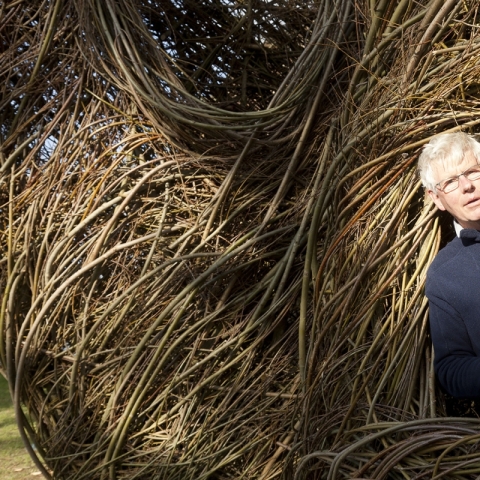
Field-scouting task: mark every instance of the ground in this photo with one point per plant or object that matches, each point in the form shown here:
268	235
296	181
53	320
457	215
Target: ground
15	463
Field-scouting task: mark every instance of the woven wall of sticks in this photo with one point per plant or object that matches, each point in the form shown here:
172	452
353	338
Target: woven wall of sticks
213	239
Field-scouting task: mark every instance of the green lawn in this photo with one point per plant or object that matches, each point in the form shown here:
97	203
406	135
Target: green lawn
15	463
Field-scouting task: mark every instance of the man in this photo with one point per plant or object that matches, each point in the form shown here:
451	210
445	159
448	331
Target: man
450	171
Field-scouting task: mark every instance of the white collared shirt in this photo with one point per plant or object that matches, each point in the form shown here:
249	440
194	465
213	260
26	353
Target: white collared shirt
458	227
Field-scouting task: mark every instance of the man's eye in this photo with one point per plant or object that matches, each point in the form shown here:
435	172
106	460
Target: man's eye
448	182
473	171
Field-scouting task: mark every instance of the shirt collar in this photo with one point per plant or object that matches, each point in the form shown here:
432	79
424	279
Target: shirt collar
458	227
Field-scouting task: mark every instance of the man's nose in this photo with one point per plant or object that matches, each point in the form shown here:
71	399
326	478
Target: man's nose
465	184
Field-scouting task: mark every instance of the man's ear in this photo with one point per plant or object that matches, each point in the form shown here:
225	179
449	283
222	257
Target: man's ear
436	200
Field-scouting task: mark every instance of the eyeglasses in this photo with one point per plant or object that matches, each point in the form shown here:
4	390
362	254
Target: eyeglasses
450	184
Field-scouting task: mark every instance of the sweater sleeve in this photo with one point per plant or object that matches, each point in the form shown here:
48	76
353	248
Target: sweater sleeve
456	364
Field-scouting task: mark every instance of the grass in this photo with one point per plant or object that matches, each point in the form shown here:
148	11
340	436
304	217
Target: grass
15	463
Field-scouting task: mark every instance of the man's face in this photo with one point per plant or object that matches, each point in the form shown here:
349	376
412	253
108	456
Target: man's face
463	202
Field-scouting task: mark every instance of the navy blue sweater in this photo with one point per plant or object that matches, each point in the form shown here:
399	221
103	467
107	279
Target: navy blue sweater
453	291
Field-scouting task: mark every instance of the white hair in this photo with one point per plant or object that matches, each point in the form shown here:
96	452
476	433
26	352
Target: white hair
447	150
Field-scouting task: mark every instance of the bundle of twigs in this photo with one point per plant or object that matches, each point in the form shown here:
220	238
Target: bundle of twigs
213	239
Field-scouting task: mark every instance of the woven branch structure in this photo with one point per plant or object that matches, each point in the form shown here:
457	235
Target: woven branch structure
213	239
